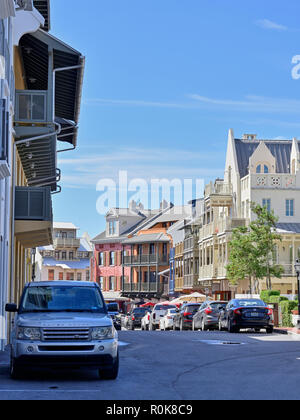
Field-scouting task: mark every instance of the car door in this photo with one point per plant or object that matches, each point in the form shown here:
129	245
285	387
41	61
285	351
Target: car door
197	316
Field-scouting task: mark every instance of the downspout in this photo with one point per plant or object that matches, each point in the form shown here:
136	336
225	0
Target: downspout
16	143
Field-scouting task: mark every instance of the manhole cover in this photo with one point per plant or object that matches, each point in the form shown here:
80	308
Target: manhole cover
220	342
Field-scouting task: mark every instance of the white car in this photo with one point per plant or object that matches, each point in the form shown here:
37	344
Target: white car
145	322
157	314
166	322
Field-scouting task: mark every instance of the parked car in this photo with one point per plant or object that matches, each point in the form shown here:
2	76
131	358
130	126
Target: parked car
207	316
135	317
63	323
145	321
184	316
166	322
246	313
158	312
113	311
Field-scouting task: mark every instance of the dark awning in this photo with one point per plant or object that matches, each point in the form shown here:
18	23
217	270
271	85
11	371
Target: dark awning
68	83
43	6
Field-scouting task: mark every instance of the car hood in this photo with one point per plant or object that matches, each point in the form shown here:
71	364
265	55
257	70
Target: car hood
63	319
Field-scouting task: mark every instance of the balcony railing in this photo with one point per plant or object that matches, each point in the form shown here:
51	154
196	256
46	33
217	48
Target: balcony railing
178	283
152	287
190	243
220	226
66	243
275	181
220	188
146	259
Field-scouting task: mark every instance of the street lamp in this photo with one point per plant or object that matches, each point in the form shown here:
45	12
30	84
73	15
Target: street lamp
297	269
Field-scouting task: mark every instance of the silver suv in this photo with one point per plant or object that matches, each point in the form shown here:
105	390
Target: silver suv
63	323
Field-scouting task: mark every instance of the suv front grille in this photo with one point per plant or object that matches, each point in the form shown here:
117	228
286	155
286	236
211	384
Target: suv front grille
66	334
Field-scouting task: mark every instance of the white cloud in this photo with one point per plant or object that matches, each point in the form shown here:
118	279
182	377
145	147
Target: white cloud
268	24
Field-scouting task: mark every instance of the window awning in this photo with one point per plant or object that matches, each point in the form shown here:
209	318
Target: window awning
68	66
7	8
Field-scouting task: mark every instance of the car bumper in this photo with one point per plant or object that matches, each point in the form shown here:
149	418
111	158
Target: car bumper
253	324
44	354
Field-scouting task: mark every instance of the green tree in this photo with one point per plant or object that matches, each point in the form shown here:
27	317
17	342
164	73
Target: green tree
252	250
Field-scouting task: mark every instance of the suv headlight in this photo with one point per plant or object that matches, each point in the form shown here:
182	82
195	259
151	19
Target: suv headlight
102	333
28	333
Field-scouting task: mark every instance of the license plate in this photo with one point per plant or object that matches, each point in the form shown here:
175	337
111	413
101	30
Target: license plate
254	314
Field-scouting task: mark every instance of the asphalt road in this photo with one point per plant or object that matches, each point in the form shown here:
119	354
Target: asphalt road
175	365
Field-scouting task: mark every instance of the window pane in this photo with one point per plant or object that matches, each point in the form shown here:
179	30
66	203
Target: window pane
38	107
25	107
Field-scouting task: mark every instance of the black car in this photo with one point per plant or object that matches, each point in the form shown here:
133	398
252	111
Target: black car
246	313
113	311
207	317
135	317
184	318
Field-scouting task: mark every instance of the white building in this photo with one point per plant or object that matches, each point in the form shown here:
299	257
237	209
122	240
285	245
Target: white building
69	258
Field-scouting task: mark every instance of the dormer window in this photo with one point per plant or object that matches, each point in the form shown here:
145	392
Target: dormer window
261	168
112	227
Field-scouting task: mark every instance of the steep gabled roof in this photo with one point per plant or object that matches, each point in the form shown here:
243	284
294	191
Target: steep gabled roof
280	149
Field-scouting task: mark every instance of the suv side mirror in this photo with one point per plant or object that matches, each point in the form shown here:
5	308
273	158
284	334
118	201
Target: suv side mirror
11	307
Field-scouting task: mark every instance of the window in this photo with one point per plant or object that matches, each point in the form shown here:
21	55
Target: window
266	202
50	275
262	168
112	258
57	255
79	276
60	276
152	249
64	255
87	275
101	282
112	227
71	255
289	207
70	276
101	258
112	281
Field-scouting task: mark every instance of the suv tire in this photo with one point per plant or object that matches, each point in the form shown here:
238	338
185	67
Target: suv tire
111	373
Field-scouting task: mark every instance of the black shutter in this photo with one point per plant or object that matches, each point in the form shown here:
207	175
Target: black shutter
4	130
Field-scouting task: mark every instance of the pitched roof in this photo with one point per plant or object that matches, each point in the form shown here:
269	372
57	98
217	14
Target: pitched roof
288	227
147	238
280	149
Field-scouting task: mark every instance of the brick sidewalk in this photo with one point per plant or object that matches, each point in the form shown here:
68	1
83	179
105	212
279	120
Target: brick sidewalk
286	330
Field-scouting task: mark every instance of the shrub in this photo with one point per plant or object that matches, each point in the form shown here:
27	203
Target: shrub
265	295
286	309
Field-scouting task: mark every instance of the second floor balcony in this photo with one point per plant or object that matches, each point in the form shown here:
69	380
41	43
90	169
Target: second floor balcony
62	242
146	259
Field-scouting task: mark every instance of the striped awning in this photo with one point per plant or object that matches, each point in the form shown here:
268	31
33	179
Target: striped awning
7	8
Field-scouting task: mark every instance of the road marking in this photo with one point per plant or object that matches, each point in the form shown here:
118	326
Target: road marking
123	343
219	342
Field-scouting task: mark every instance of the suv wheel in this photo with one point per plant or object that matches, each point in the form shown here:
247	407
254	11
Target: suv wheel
111	373
231	328
270	330
15	372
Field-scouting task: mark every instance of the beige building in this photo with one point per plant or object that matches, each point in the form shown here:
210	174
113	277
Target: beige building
266	172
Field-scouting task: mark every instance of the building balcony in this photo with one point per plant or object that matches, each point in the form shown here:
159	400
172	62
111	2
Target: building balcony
152	287
190	244
190	281
273	181
33	216
221	225
145	260
218	194
178	284
66	243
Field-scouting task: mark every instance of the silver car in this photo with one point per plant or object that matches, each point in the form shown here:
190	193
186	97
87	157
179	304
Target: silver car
63	323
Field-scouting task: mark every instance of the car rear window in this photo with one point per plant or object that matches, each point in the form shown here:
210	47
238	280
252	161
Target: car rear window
140	310
217	305
192	307
250	302
164	307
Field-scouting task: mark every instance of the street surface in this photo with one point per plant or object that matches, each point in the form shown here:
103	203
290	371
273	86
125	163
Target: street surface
176	365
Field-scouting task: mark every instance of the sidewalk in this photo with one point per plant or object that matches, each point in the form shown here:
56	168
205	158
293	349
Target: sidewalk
286	330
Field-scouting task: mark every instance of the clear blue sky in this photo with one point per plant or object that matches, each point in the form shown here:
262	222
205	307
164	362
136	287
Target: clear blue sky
164	82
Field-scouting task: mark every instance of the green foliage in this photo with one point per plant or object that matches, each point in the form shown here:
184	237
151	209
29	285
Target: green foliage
266	294
251	248
287	306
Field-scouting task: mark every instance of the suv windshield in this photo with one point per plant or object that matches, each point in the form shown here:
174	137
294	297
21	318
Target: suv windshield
62	299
